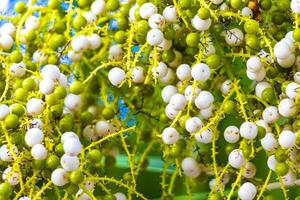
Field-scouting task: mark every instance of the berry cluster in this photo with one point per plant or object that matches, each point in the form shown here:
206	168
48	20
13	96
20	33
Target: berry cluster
208	86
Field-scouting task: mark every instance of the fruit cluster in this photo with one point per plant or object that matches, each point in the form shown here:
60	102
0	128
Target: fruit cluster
210	86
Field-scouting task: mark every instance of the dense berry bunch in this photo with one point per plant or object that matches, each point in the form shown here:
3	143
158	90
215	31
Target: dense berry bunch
200	95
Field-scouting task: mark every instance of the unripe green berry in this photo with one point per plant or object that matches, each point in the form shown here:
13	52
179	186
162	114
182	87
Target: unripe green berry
16	56
20	7
76	177
281	168
203	13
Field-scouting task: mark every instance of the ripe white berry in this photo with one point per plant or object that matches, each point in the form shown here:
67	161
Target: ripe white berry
35	106
138	75
72	146
236	159
171	112
155	37
147	10
291	90
17	69
287	62
167	92
189	94
231	134
102	128
12	178
289	179
51	72
120	196
160	71
4	111
46	86
287	139
254	64
59	177
178	101
234	37
257	76
72	102
249	171
170	14
247	191
247	12
116	75
200	24
190	167
90	17
68	135
6	42
6	154
260	87
115	52
170	135
39	152
200	72
193	124
270	114
69	163
282	50
225	87
183	72
8	29
272	162
287	107
98	7
80	43
32	23
156	21
204	100
34	136
295	6
269	143
204	137
94	41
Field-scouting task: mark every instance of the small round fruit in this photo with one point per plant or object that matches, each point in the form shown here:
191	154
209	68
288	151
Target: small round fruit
52	161
76	177
11	121
203	13
5	189
281	168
